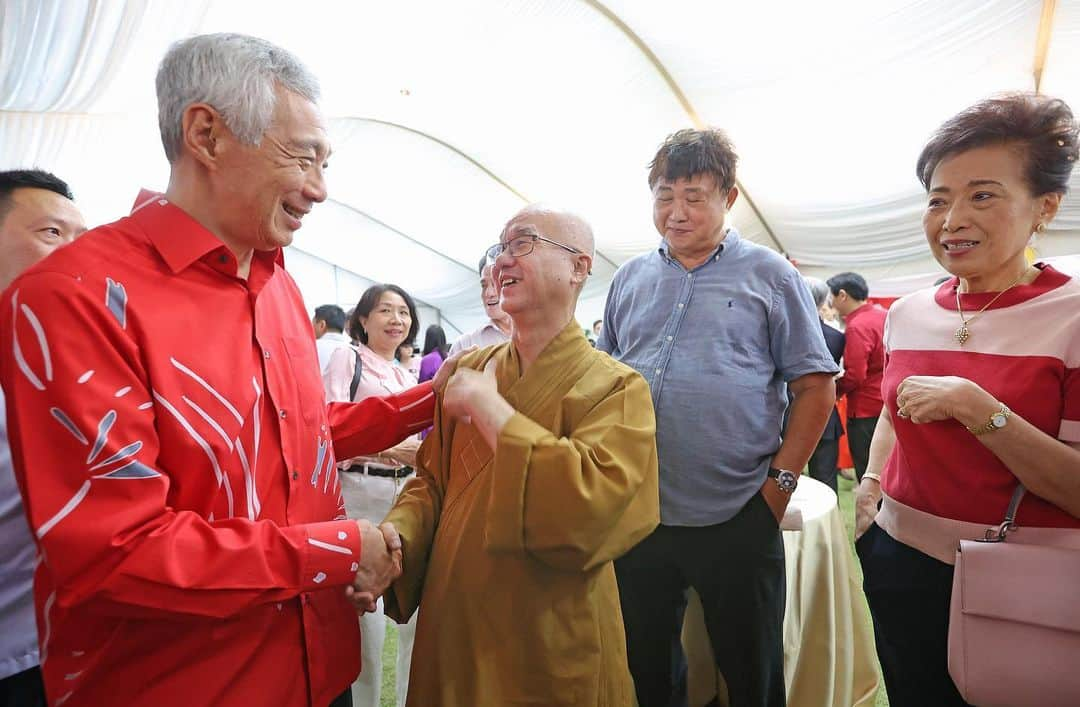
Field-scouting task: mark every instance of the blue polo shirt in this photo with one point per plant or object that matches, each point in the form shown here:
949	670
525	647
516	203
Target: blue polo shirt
717	345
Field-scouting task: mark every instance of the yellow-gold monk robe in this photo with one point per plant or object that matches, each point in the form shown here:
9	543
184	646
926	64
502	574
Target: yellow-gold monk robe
509	551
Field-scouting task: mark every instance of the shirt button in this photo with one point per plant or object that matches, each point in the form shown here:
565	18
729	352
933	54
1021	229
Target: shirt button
295	474
670	338
266	354
657	371
680	307
689	274
223	259
283	414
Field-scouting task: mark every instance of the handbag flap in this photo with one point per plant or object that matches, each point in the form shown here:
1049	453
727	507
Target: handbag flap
1030	584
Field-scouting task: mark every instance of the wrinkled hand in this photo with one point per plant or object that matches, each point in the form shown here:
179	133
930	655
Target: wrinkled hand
867	496
922	399
380	565
438	383
466	389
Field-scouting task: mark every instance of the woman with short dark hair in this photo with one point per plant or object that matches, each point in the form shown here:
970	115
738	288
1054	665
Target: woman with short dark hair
384	319
981	384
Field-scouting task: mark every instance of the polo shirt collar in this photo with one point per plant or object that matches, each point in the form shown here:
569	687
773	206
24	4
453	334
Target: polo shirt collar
730	241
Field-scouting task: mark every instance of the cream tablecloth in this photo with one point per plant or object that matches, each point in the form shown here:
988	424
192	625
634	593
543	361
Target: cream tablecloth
829	658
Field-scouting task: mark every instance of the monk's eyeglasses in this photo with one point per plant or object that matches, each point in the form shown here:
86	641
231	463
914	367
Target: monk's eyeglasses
522	246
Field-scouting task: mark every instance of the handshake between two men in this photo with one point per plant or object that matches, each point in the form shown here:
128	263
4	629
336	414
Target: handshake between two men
380	564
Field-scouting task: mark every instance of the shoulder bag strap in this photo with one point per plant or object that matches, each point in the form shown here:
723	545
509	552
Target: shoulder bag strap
358	371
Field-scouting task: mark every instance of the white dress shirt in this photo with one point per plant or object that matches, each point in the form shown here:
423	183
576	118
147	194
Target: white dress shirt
487	335
327	344
18	632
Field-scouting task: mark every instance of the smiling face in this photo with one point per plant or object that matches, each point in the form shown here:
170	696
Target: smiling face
489	294
36	222
543	285
689	214
980	214
266	190
388	324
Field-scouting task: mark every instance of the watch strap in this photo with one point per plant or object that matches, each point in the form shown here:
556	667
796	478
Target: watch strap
991	423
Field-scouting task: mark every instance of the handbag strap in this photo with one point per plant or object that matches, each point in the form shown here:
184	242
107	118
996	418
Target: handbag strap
358	371
997	534
1014	505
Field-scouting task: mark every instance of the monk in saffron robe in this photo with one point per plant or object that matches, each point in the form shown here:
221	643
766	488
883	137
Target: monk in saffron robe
540	470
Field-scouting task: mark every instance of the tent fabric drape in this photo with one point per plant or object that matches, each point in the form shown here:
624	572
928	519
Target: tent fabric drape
448	117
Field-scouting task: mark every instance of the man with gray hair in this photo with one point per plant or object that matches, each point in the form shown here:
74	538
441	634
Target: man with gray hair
178	469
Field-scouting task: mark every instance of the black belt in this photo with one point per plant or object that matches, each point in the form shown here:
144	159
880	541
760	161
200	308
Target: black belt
395	473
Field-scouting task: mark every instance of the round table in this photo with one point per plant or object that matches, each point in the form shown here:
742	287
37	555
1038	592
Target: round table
829	658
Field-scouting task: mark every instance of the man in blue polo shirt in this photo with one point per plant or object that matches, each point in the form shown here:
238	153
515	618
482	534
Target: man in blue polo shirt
720	327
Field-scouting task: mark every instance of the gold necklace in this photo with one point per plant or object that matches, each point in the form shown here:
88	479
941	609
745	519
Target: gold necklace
963	333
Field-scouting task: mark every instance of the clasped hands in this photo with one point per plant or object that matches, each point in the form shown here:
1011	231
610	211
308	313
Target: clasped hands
922	399
380	564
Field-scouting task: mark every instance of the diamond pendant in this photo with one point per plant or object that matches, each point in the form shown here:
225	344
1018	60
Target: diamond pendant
962	334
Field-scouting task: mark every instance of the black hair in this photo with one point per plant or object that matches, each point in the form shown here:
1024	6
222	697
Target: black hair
367	302
690	152
332	315
851	282
16	179
435	338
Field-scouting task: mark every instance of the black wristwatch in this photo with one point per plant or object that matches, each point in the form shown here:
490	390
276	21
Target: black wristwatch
786	480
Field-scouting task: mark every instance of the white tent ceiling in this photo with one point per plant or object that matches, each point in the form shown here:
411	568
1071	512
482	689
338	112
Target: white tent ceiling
448	116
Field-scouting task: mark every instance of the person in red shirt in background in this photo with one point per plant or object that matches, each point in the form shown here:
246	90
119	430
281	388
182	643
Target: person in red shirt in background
864	361
170	436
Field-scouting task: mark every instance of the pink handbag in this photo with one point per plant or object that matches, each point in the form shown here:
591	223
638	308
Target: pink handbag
1014	622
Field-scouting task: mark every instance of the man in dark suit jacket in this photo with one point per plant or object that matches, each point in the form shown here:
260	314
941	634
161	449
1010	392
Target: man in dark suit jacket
822	464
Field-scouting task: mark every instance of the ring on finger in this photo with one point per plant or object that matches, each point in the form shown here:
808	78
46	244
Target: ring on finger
902	414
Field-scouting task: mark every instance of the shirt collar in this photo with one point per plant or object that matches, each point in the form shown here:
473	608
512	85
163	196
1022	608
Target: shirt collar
863	309
731	239
336	336
181	240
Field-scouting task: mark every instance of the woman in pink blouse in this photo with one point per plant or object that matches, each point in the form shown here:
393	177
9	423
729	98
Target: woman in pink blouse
384	318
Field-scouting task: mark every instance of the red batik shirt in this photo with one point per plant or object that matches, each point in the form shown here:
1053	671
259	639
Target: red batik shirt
177	461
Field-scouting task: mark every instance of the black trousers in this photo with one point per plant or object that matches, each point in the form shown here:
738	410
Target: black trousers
822	464
344	699
737	568
909	594
860	432
23	689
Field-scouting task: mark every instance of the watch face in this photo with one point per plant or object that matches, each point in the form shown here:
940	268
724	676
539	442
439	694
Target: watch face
787	480
998	420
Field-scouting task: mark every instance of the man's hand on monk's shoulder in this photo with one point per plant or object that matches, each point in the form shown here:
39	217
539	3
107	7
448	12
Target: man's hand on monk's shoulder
438	383
468	390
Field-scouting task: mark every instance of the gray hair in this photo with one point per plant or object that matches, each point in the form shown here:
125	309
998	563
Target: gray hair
236	74
818	289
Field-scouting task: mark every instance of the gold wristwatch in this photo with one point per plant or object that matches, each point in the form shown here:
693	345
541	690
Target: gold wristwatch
997	420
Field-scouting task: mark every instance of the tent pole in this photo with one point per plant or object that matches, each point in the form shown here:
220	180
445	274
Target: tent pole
681	97
1042	43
